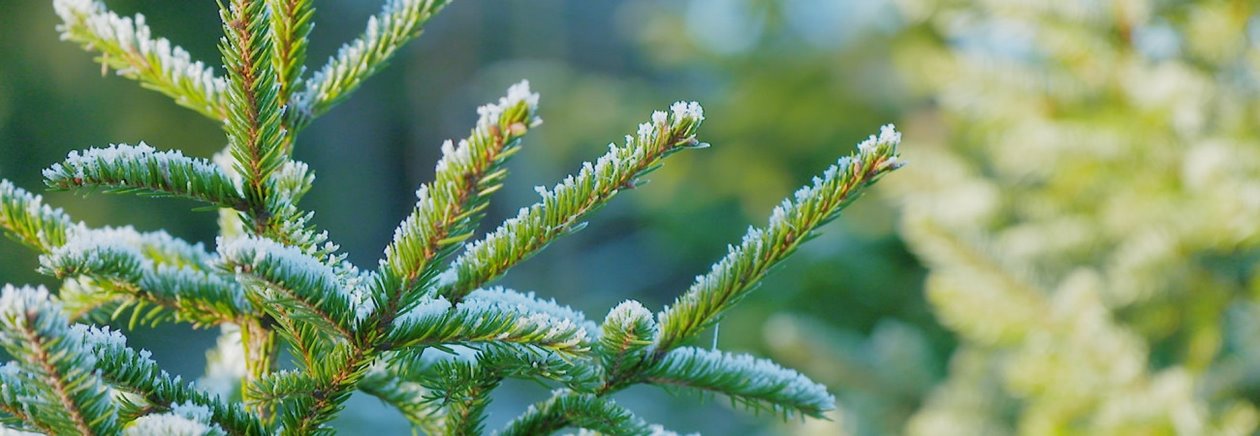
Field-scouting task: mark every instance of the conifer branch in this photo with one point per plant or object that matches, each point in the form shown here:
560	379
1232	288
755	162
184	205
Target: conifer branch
291	226
450	207
756	383
16	403
304	288
86	299
286	282
437	322
25	218
279	386
66	395
465	178
562	207
253	125
181	283
142	169
585	411
394	378
332	380
398	22
628	334
530	303
408	398
126	45
118	257
463	387
135	372
290	26
792	223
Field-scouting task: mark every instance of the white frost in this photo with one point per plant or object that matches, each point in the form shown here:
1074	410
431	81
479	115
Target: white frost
90	20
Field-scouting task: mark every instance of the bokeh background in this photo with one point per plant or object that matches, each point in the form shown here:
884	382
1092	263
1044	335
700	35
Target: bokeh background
1072	249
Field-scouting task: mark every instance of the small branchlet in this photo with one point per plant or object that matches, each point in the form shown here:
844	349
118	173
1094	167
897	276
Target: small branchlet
398	22
791	223
450	207
563	207
127	46
142	169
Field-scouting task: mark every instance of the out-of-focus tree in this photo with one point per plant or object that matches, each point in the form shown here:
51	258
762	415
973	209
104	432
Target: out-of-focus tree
1088	206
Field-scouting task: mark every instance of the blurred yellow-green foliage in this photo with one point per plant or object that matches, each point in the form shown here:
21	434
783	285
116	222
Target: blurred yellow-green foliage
1072	249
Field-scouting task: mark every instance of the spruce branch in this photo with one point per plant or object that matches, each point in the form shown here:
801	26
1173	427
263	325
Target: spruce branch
332	380
275	277
755	383
563	206
85	299
585	411
530	303
157	248
398	22
199	298
409	399
437	322
126	45
792	223
531	362
393	380
135	372
66	396
290	225
142	169
290	26
450	207
253	125
462	387
279	386
17	401
25	218
121	263
99	257
627	335
289	280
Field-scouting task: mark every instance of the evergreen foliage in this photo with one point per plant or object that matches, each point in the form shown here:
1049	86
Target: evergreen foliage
424	331
1083	221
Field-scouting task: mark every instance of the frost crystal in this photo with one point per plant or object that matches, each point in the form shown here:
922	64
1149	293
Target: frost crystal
516	94
100	337
687	110
15	302
888	136
426	310
628	311
183	419
528	302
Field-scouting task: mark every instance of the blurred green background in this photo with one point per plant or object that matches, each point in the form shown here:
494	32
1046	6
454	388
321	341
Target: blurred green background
1012	112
